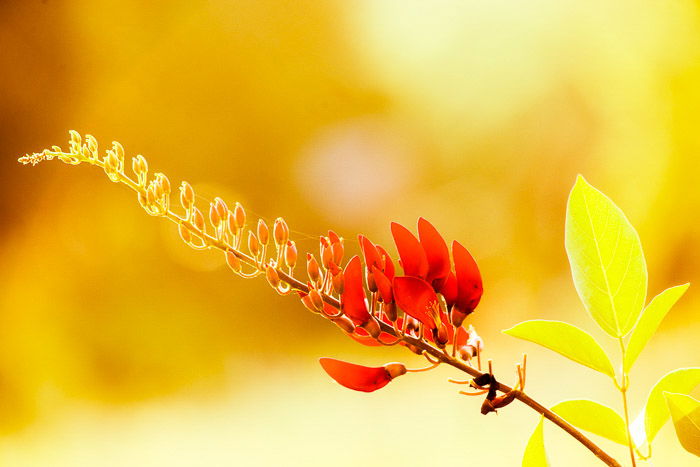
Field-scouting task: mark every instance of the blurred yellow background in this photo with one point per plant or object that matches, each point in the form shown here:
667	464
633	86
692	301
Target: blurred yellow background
120	346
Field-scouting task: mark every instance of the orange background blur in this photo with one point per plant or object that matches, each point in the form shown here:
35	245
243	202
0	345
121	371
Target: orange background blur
120	346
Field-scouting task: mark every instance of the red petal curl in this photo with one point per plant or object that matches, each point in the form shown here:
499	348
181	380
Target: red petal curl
352	301
357	377
435	251
469	285
416	298
413	259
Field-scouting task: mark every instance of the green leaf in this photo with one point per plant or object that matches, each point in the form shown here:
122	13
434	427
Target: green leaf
607	262
594	417
685	412
535	455
650	320
656	411
565	339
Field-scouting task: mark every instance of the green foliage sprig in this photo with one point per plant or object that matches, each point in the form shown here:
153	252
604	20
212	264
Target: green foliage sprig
610	276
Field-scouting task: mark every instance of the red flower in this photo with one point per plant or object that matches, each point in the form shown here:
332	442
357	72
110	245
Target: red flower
361	378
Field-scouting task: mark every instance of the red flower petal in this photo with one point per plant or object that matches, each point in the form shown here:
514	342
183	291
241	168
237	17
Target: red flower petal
435	250
469	283
357	377
413	259
352	301
387	263
369	251
383	285
448	288
416	298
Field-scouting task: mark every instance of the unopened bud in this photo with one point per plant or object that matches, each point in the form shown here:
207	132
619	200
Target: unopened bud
316	299
253	244
233	261
338	251
118	151
290	254
372	328
263	232
272	277
214	215
344	323
338	281
221	208
198	219
137	165
326	253
186	195
165	183
281	232
239	215
333	237
312	269
185	233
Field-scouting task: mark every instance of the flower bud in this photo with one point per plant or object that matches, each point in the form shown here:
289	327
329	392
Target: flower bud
263	232
290	254
272	277
164	183
344	323
372	328
338	281
198	219
214	215
312	269
239	215
316	299
118	151
253	244
221	208
233	261
281	232
326	252
185	233
338	251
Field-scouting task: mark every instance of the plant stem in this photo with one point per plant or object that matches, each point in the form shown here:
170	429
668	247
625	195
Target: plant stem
623	390
212	242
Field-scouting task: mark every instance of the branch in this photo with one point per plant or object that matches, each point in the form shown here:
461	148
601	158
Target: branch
155	199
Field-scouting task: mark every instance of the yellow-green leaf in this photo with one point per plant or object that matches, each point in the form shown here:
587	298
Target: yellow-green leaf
656	411
652	316
565	339
535	455
594	417
685	412
607	262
